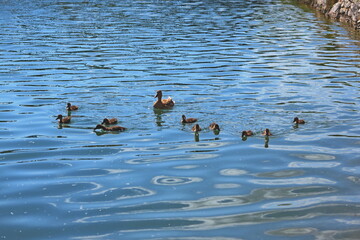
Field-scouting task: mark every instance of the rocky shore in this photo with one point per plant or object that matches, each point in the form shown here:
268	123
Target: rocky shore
342	10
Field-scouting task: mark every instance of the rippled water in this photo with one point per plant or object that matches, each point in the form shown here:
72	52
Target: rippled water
243	64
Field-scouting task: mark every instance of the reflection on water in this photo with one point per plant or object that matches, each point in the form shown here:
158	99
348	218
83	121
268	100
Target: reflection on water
240	64
197	136
267	139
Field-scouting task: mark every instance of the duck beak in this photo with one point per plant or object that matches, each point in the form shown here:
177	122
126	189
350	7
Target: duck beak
156	95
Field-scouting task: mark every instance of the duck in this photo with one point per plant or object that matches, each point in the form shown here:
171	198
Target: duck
214	126
187	120
70	107
63	119
298	121
247	133
113	128
196	128
163	103
267	132
110	121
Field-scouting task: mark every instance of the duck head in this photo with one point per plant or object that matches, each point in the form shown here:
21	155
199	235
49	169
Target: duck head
267	132
158	94
99	126
59	117
296	119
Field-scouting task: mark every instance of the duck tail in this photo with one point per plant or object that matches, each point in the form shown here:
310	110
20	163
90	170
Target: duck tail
170	100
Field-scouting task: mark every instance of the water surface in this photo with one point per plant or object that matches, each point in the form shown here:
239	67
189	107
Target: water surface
243	64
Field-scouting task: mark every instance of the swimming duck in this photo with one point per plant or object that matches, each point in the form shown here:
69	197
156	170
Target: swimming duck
214	126
298	121
247	133
267	132
70	107
110	121
63	119
187	120
196	128
163	103
113	128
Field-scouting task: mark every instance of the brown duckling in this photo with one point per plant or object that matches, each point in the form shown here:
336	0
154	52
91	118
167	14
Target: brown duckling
196	128
298	121
63	119
113	128
267	132
110	121
70	107
187	120
214	126
247	133
163	103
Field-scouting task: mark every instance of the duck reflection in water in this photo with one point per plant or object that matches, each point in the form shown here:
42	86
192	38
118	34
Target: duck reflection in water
196	128
158	118
266	142
197	137
267	135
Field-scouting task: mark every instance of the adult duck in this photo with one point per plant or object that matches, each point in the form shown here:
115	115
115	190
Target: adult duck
70	107
298	121
187	120
63	119
110	129
163	103
109	121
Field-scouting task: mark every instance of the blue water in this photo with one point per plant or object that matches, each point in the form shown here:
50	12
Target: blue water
247	65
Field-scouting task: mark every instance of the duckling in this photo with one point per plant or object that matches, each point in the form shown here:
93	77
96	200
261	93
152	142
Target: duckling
163	103
110	121
187	120
196	128
298	121
267	132
63	119
113	128
247	133
70	107
214	126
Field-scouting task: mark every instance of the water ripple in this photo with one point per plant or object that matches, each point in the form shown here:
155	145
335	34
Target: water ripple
172	180
238	63
292	181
